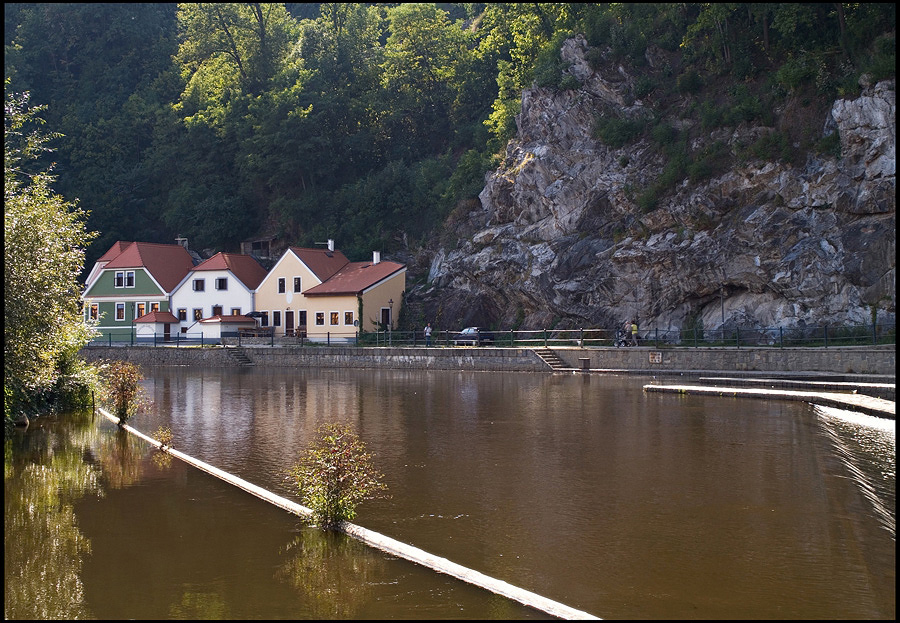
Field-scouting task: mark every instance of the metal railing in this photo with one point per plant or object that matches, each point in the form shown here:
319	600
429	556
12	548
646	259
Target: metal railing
125	337
776	337
824	336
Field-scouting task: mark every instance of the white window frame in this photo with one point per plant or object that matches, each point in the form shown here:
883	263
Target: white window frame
334	319
350	313
120	311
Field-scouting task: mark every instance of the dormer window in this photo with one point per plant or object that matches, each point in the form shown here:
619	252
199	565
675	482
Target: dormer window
124	279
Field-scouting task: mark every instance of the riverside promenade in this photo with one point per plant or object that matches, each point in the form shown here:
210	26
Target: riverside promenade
850	363
854	378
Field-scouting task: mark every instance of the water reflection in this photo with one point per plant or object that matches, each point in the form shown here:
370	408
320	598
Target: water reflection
866	445
333	571
581	488
44	472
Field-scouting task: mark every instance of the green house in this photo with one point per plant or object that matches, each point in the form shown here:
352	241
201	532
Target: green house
131	280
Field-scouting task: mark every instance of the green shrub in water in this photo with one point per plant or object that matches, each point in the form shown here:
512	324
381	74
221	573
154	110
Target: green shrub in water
335	474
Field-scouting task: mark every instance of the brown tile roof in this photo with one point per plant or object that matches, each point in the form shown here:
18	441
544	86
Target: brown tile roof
158	316
114	250
244	267
356	277
322	262
168	263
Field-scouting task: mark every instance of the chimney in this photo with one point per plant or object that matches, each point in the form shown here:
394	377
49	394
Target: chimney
376	257
330	244
182	241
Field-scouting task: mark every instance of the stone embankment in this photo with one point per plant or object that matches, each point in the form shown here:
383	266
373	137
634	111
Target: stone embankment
876	361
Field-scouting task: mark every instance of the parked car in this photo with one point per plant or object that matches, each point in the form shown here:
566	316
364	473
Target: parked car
476	336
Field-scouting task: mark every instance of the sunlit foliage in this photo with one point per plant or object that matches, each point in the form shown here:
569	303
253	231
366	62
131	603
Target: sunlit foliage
43	255
121	389
335	474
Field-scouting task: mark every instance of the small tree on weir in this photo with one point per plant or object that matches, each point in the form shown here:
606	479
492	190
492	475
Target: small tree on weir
335	474
121	389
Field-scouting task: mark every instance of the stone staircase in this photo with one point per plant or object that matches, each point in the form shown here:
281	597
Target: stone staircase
238	355
551	359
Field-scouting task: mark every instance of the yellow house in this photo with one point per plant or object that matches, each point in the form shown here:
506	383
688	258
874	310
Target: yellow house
321	295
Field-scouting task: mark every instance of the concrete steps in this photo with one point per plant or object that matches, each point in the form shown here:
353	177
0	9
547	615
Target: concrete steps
239	356
551	359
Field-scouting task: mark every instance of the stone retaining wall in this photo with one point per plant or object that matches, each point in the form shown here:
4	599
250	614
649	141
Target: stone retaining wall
842	360
507	359
880	360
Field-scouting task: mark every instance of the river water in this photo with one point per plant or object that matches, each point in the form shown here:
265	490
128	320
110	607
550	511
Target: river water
581	488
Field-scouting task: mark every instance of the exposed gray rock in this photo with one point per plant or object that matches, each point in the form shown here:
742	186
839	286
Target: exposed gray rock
558	240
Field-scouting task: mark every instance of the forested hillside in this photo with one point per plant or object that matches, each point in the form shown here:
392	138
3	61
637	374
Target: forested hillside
371	123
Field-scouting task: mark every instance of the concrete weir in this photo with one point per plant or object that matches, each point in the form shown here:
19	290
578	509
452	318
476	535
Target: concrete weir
377	540
852	402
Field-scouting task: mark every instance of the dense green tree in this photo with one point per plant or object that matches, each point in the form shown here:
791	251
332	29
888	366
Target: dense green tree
101	71
423	56
327	120
227	47
515	34
43	255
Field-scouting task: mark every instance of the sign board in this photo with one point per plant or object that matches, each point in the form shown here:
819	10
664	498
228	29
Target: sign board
655	357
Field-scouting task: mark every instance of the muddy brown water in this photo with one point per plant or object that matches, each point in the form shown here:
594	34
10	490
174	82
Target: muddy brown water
582	488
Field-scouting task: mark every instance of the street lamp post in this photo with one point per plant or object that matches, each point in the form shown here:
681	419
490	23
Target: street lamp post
722	303
391	323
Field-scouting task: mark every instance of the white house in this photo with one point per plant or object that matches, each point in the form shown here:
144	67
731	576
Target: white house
223	285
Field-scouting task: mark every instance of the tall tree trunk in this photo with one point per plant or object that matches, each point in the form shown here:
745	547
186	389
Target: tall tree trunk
843	26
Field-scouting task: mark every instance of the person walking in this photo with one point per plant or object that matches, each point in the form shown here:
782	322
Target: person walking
634	333
428	334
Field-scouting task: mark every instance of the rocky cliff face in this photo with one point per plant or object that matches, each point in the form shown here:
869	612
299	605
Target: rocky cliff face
558	239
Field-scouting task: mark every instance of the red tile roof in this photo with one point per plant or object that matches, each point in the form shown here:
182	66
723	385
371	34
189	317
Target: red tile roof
114	251
322	262
356	277
167	263
158	316
244	267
